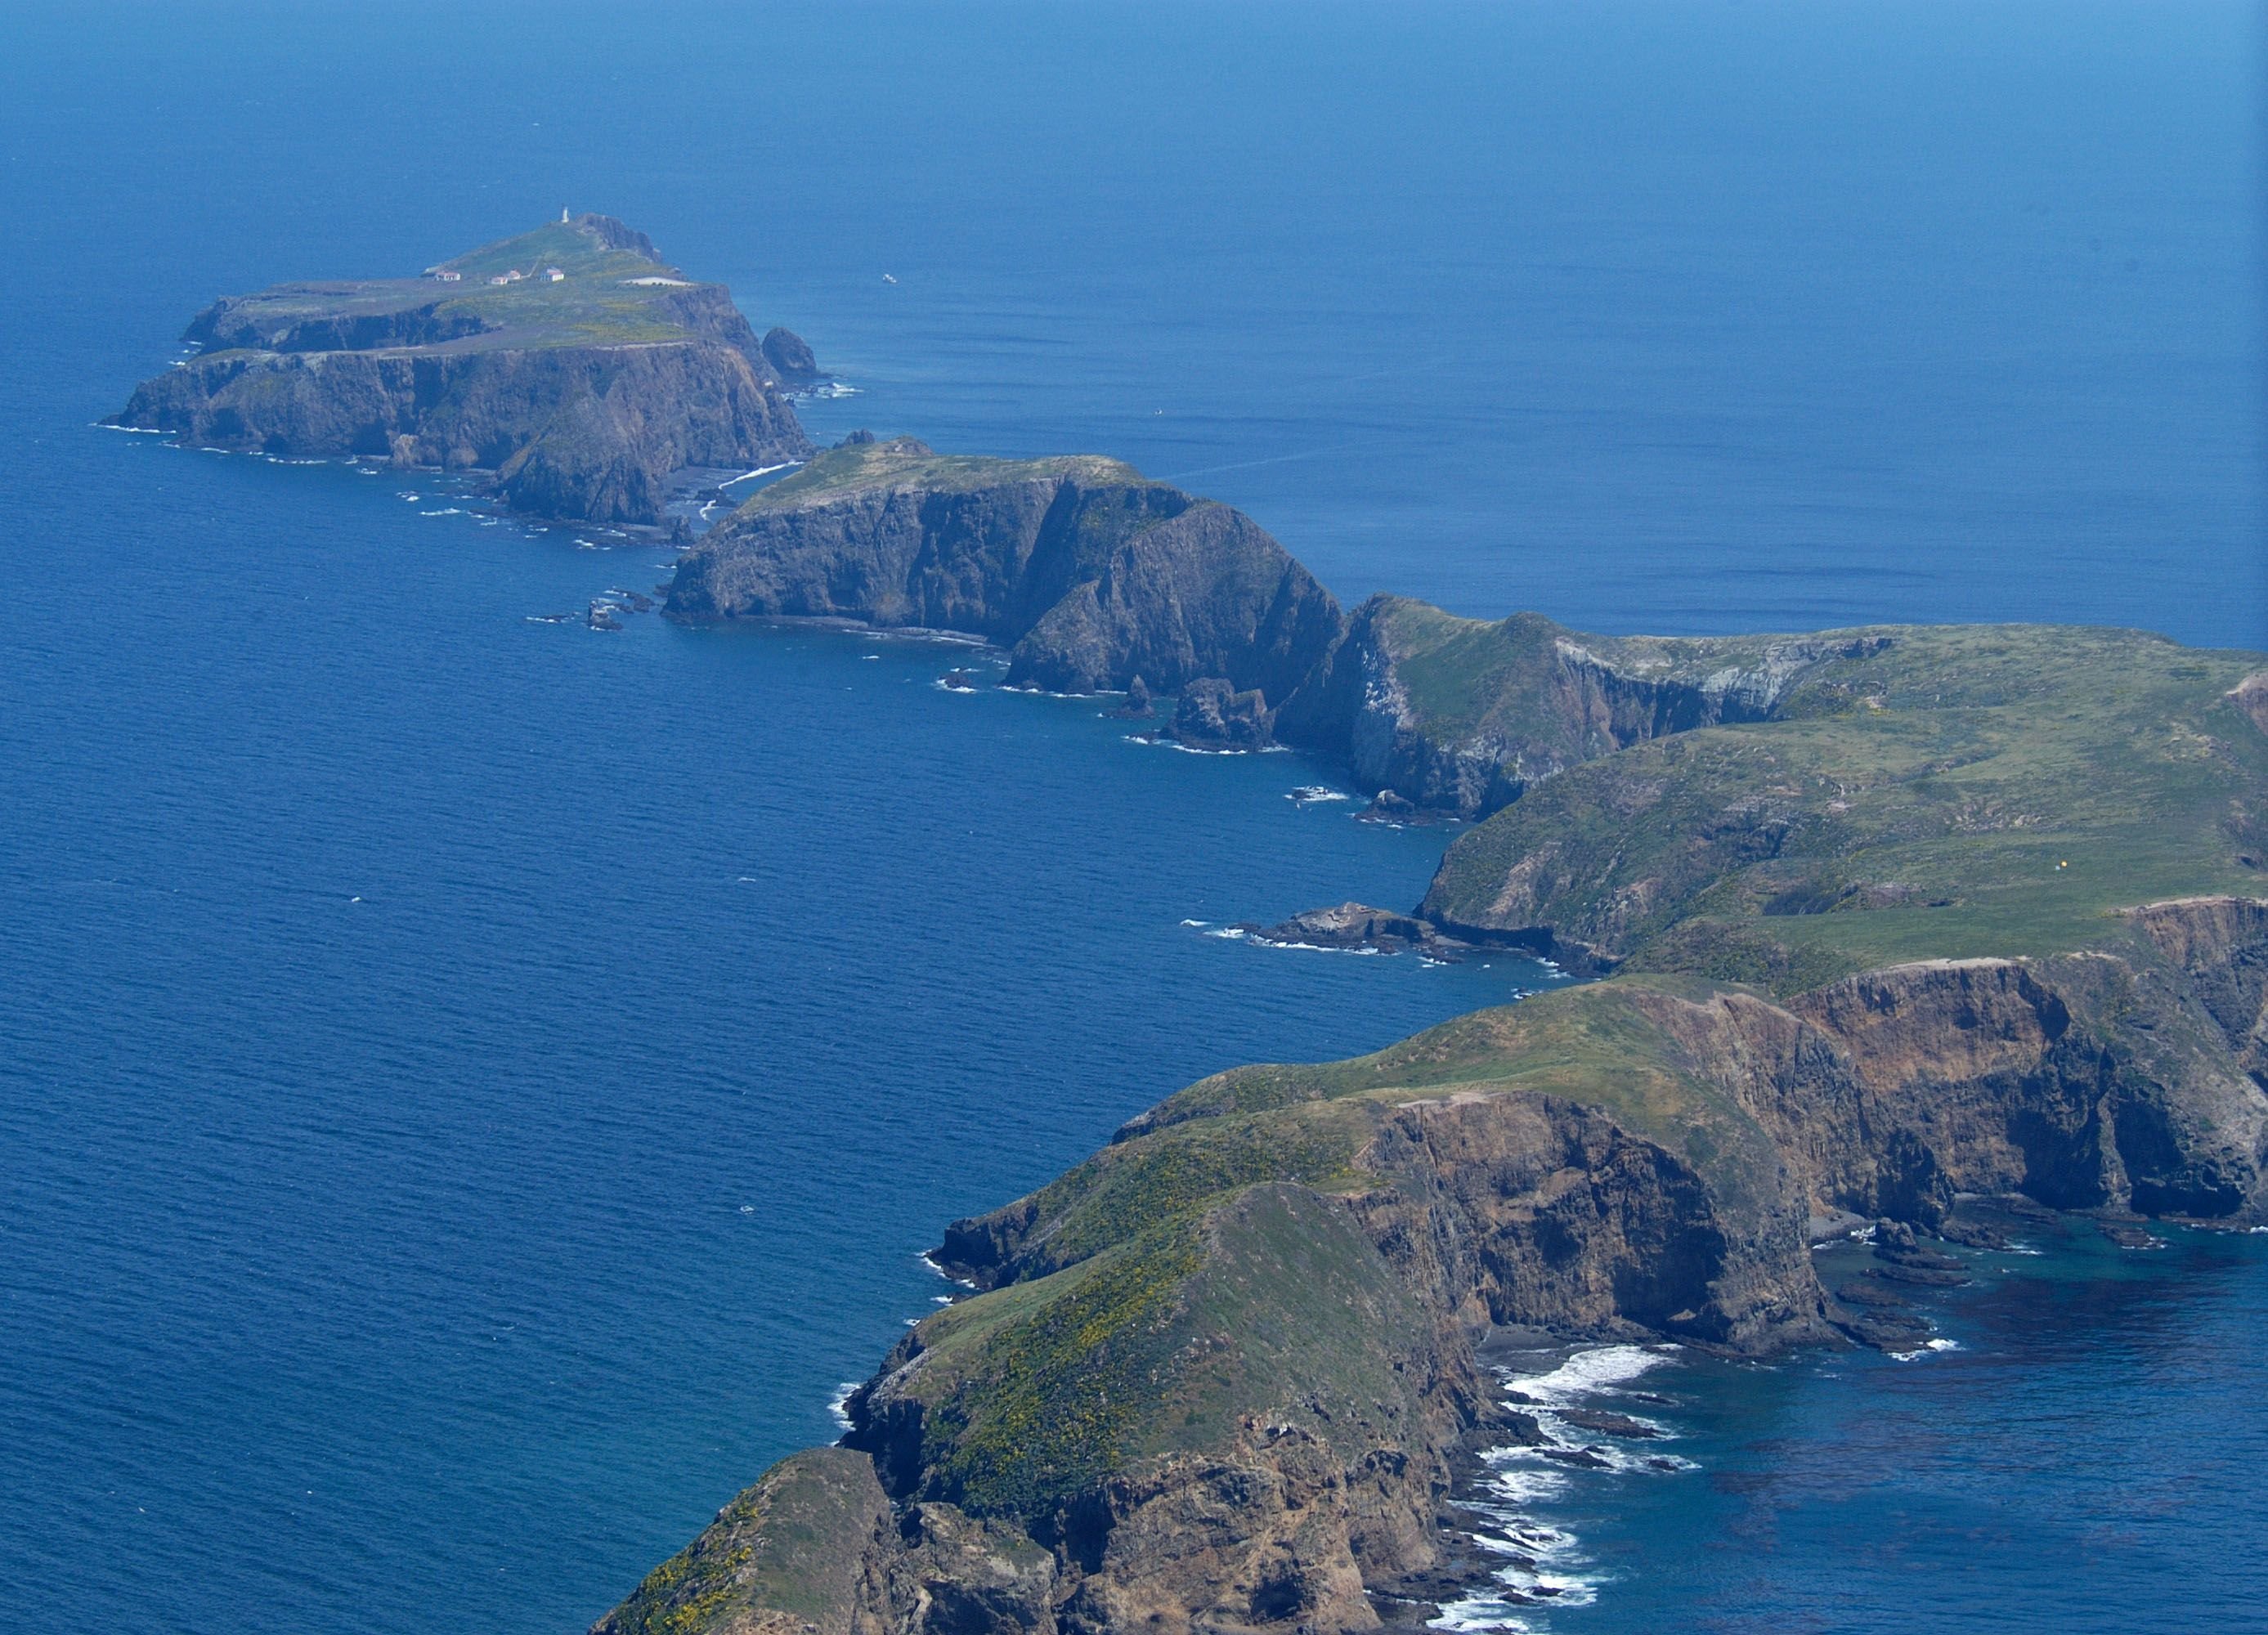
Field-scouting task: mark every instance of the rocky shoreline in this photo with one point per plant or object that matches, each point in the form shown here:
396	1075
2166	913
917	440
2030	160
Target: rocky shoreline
569	371
1906	931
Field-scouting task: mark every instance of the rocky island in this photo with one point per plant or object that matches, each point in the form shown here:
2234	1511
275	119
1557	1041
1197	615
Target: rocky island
1900	923
1890	923
1091	576
570	364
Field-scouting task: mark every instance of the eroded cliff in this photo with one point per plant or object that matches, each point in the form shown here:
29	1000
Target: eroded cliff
1219	1375
1087	573
1893	931
583	394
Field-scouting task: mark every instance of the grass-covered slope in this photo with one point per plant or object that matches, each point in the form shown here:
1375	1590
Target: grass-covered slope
1266	1300
615	290
1957	792
783	1558
908	465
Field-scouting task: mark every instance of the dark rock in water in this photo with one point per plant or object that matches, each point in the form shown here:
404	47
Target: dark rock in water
1918	1276
1610	1424
1970	1233
959	682
1359	925
1387	808
2025	1208
1213	715
1139	706
1923	1260
2127	1237
1582	1458
1885	1334
1859	1292
790	356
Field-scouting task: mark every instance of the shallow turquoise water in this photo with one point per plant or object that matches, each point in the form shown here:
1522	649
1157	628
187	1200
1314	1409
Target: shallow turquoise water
470	1089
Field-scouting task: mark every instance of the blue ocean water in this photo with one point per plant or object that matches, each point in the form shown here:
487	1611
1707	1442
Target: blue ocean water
2076	1450
470	1088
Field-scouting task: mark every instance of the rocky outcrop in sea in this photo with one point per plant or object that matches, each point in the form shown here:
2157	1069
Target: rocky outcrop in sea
1086	573
582	395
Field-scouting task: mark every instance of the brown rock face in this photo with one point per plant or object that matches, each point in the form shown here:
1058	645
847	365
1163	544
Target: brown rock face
1534	699
588	432
2082	1082
1302	1364
583	375
1087	574
1533	1210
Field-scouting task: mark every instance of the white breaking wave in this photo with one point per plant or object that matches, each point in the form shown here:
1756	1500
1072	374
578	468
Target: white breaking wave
837	1404
1925	1349
1587	1372
760	471
1545	1565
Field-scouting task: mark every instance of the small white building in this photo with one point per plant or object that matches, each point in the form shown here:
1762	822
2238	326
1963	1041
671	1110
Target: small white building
554	275
449	277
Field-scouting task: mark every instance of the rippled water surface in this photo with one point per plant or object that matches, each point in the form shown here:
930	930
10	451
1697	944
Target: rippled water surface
2077	1448
470	1087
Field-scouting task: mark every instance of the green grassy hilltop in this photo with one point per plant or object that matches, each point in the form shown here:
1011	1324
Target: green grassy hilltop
856	468
615	290
1956	791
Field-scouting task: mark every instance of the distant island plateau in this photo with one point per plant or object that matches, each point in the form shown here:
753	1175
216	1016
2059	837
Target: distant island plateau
570	364
1915	930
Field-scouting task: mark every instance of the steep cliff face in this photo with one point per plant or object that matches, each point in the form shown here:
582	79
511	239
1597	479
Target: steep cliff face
2083	1082
583	394
1088	574
1220	1373
593	432
1462	716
